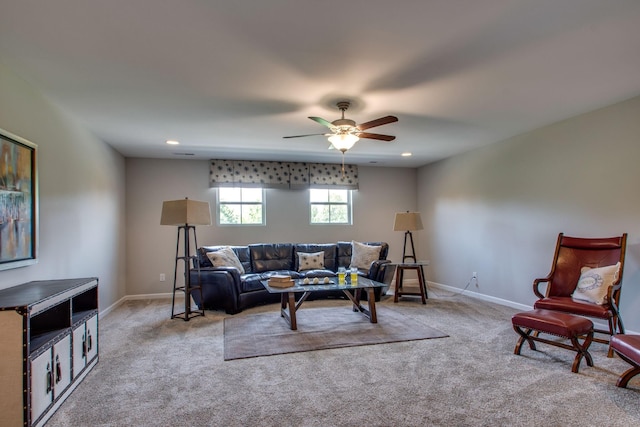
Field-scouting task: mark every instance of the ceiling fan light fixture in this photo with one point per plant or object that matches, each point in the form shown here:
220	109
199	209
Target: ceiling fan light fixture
343	141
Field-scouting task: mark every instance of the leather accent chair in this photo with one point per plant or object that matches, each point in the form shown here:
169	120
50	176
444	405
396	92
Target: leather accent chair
573	253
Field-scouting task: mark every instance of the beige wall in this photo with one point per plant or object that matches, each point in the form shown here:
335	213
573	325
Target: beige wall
498	210
81	183
151	247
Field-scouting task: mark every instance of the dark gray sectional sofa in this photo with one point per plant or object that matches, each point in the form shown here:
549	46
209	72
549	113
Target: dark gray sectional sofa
225	288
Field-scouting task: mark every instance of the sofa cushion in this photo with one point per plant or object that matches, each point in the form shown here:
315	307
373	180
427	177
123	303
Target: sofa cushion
242	252
593	285
271	256
345	250
570	305
225	257
307	261
362	255
330	253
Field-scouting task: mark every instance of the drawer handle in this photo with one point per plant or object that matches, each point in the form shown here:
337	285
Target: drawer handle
84	346
49	375
89	341
58	369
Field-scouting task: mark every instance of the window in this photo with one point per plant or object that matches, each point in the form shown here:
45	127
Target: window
330	206
240	206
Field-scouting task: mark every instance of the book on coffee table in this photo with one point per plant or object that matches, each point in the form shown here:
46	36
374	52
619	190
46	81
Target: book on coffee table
280	281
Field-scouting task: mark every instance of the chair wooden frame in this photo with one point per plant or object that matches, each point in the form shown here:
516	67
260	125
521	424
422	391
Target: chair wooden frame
628	348
570	255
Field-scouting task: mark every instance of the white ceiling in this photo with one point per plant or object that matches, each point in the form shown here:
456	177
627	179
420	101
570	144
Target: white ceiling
230	78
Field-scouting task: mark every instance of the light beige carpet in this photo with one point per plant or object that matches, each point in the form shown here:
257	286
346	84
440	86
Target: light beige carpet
154	371
268	334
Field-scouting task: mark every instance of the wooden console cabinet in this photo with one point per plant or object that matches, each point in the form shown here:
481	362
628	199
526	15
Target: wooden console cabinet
49	339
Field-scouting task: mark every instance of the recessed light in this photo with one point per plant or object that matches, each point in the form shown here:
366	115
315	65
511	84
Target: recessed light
173	142
407	154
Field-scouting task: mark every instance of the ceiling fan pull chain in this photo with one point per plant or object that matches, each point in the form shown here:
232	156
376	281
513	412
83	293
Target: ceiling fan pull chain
343	165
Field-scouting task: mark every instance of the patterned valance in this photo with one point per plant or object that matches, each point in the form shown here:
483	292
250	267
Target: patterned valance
329	175
287	175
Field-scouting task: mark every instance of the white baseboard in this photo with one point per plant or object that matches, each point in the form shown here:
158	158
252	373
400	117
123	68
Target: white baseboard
121	301
482	297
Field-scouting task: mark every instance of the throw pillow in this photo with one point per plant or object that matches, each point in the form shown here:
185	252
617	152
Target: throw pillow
593	285
225	257
313	261
363	255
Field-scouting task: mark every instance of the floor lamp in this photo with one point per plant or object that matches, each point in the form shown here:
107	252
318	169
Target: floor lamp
186	214
408	222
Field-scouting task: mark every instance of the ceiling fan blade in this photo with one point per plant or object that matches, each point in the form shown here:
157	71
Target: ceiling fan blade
310	134
376	136
323	122
377	122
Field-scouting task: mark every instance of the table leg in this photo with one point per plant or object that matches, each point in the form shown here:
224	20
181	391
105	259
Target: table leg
373	317
356	294
421	283
399	277
289	299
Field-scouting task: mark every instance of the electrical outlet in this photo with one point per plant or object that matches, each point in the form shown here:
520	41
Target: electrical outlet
162	277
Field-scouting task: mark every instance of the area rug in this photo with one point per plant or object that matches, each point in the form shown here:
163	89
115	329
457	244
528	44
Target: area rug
267	334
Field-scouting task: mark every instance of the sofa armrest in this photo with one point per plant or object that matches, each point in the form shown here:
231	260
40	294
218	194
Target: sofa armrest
220	288
375	270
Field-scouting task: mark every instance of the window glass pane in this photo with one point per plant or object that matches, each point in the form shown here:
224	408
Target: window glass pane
229	194
338	196
319	214
252	214
229	213
339	214
319	196
252	195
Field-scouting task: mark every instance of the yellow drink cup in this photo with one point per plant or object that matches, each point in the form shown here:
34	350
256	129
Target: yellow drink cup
341	275
354	276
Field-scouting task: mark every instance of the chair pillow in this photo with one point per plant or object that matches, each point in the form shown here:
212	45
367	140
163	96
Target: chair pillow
363	255
310	261
593	285
225	257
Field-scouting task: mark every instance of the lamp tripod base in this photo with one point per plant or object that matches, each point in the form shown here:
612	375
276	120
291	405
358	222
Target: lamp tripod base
404	248
187	289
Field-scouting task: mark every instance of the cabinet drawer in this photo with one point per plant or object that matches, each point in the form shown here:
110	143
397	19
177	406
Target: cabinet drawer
85	344
41	384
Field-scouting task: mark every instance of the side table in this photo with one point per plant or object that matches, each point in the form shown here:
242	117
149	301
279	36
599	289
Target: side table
419	268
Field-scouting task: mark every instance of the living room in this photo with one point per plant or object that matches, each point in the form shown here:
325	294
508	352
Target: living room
495	210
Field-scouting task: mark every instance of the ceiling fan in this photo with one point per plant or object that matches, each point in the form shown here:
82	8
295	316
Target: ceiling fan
345	133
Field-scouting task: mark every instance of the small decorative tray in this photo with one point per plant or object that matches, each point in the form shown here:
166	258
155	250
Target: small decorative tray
301	282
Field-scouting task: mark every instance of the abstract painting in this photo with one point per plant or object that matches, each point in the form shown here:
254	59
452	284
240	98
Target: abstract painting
18	202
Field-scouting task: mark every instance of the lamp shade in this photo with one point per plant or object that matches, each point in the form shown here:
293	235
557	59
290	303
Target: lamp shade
407	221
343	141
185	211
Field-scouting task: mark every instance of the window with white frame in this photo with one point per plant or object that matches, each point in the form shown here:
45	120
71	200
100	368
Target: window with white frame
240	206
330	206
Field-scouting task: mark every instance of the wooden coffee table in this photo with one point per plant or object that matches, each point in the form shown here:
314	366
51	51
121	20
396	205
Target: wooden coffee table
289	305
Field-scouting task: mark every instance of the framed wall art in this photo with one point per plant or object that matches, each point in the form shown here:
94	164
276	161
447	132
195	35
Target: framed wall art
18	202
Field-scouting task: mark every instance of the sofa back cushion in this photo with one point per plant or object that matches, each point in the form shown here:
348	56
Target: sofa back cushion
242	252
330	251
345	251
271	256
